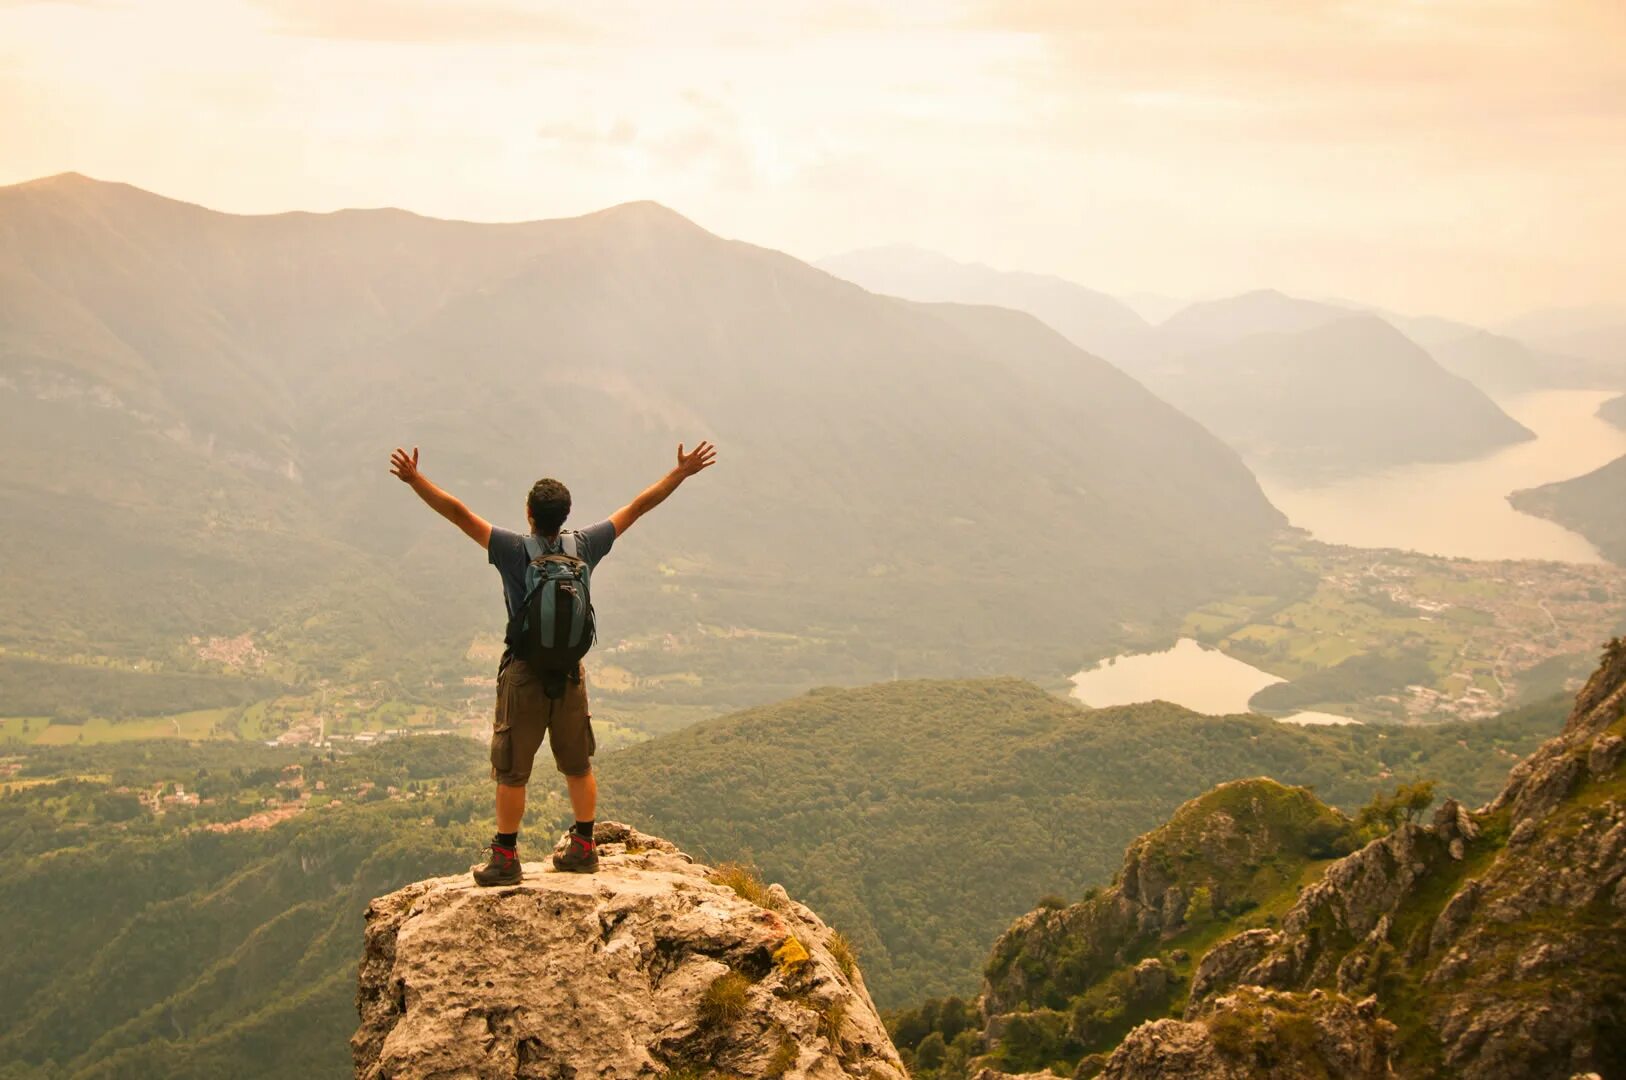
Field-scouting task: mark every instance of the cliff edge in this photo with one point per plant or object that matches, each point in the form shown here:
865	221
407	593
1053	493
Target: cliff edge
655	966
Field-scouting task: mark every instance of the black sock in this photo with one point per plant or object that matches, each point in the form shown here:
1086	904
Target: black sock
509	840
583	829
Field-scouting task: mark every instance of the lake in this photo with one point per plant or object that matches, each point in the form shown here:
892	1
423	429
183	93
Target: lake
1201	679
1461	509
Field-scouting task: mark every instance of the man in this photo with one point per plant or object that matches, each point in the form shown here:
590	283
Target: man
530	706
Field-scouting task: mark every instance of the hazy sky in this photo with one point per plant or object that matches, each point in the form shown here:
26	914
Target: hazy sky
1466	157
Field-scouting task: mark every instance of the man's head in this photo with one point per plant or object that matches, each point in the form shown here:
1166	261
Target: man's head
547	506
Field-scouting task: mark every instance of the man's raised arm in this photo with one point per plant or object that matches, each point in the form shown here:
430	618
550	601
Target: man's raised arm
701	457
474	526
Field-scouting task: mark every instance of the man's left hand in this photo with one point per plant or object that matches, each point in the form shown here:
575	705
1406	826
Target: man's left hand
403	466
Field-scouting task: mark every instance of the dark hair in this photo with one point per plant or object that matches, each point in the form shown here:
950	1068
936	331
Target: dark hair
549	504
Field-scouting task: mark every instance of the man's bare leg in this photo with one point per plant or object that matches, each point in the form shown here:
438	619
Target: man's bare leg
583	796
510	808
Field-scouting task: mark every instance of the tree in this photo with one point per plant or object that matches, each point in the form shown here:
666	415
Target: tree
1200	908
1386	813
929	1054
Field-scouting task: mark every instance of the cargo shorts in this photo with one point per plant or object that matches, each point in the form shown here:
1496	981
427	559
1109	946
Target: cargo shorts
526	715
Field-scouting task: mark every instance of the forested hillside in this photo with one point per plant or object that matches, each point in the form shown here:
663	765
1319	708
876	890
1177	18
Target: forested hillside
181	388
920	817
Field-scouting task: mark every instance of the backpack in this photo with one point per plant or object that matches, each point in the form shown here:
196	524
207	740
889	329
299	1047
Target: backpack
554	628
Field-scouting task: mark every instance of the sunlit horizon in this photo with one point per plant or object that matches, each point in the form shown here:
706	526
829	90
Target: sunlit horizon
1442	157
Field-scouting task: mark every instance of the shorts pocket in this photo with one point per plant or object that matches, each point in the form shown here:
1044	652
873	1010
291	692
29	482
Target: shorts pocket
502	750
592	743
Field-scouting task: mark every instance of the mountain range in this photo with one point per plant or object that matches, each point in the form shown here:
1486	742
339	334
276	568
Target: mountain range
1301	387
202	404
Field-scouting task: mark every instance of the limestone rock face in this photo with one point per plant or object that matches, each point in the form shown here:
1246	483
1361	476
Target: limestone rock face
1253	1033
648	968
1509	922
1486	944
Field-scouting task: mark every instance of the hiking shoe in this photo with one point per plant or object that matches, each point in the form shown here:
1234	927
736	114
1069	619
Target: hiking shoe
503	869
575	855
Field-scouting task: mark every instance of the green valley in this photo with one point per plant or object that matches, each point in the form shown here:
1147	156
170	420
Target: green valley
1391	636
218	884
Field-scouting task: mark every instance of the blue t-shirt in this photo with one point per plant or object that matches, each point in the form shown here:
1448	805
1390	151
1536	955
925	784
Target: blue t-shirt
506	551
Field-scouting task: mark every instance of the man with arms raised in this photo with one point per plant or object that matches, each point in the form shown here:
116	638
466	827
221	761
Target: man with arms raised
540	688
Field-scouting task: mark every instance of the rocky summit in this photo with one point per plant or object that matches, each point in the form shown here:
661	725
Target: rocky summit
655	966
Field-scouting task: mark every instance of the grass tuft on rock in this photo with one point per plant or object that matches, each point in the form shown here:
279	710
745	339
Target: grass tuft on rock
725	1000
845	955
744	880
782	1061
832	1018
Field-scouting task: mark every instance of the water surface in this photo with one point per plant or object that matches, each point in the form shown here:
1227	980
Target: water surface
1461	509
1201	679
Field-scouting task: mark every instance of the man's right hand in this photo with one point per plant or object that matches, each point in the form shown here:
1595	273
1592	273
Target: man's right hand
403	466
701	457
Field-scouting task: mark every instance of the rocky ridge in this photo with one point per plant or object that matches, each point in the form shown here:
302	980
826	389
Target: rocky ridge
1483	944
654	966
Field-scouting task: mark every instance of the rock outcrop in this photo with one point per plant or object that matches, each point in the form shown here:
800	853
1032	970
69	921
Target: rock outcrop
1497	937
654	966
1484	944
1254	1033
1209	852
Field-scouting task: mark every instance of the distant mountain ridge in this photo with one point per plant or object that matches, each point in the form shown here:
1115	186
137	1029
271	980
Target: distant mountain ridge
220	391
1092	320
1300	387
1347	395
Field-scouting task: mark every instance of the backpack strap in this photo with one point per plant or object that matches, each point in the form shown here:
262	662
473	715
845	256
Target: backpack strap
535	547
570	544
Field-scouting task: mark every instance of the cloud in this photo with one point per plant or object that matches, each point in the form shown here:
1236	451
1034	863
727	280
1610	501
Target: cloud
577	135
429	21
1468	71
694	133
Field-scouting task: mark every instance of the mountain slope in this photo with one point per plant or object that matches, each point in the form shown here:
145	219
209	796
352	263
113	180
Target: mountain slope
219	392
1095	322
1349	395
1596	333
1488	941
1502	365
880	804
1299	386
1206	324
1593	505
1614	411
195	953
